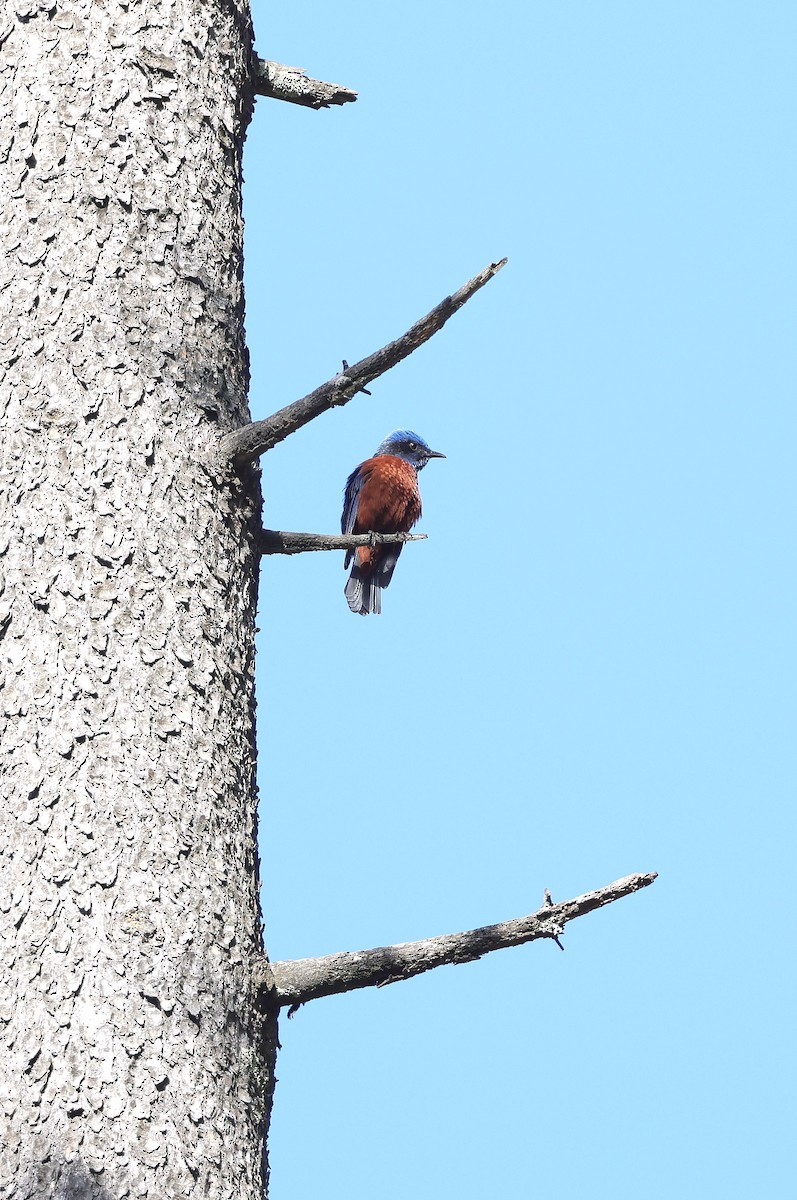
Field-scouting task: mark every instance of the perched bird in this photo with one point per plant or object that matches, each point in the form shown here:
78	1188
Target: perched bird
382	496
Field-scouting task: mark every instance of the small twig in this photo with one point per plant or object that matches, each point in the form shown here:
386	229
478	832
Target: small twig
363	391
290	984
279	82
247	443
274	541
547	900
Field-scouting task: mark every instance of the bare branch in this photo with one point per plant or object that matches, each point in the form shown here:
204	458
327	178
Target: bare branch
274	541
279	82
247	443
295	982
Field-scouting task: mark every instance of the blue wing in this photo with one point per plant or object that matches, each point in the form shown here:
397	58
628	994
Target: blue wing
351	496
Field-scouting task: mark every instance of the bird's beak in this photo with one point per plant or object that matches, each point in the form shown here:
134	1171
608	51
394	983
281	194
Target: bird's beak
435	454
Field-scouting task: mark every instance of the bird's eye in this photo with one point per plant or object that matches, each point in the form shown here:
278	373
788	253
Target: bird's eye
413	445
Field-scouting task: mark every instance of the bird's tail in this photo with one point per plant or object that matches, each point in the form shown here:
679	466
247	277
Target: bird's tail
363	592
368	576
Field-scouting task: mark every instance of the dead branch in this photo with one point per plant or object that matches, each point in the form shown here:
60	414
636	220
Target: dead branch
247	443
274	541
279	82
295	982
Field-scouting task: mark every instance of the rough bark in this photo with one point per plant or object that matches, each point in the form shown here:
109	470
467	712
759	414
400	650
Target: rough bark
133	1060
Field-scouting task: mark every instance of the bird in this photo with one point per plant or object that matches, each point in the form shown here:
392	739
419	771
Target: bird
382	496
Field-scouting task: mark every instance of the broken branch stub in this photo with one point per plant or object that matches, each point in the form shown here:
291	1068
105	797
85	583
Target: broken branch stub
292	84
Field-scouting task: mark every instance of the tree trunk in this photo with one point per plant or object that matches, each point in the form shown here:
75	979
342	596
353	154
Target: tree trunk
134	1059
138	1014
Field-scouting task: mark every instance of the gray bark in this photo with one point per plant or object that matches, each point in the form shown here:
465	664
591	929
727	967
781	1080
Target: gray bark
133	1059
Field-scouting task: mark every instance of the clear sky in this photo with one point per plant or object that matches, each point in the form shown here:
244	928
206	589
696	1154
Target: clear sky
588	669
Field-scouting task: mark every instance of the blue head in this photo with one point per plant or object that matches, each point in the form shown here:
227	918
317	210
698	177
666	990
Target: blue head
403	443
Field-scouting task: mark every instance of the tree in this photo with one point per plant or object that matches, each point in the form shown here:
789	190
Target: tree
139	1012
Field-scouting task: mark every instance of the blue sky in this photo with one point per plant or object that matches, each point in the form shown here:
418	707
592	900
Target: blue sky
588	668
